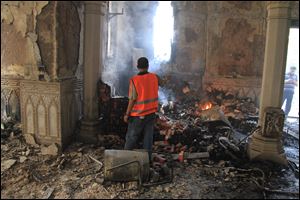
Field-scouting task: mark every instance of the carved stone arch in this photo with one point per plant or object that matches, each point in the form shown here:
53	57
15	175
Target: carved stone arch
35	99
29	116
53	119
41	115
3	104
14	105
7	93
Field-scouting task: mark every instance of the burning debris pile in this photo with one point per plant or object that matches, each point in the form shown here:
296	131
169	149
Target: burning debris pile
204	123
210	133
241	112
188	122
232	105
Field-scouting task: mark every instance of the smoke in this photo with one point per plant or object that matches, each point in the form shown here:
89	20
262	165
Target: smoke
118	64
165	95
130	36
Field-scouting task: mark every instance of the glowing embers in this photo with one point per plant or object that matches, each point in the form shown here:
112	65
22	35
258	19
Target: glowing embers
205	106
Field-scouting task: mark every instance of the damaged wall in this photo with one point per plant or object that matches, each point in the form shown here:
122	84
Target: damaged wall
39	35
219	41
20	55
39	40
221	44
41	59
236	41
189	47
58	29
236	37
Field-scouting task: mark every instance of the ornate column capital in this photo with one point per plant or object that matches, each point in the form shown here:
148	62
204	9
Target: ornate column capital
273	122
279	9
95	7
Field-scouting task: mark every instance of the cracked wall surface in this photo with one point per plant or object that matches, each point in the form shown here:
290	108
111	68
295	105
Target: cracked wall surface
221	44
217	42
58	28
20	56
39	35
40	43
236	38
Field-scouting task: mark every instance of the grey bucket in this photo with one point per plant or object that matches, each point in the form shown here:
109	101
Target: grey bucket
126	165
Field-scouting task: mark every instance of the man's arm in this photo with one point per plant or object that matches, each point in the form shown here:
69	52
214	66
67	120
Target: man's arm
130	106
291	80
132	99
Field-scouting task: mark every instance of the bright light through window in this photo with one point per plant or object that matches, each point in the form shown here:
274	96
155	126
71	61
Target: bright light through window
163	31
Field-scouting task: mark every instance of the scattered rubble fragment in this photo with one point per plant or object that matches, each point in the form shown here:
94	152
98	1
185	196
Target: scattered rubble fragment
30	139
5	165
50	150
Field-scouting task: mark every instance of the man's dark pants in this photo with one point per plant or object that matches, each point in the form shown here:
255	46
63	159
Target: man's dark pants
288	96
137	128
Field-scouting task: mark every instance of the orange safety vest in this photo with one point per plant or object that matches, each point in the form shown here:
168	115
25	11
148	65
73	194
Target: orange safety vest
146	86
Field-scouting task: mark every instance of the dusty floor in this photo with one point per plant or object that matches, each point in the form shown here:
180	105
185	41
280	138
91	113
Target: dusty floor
74	175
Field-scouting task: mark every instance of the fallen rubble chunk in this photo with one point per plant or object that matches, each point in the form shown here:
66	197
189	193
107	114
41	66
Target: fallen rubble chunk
50	150
7	164
11	135
27	152
48	193
4	147
210	148
30	140
99	180
22	159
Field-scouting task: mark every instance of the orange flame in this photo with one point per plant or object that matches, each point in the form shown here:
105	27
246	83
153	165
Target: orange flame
206	106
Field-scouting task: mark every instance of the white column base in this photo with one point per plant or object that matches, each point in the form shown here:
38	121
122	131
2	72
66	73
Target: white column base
263	148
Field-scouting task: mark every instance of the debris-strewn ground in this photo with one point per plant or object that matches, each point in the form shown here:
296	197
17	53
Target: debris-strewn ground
185	128
26	173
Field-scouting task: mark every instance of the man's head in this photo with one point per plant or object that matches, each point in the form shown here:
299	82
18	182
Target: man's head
142	63
293	69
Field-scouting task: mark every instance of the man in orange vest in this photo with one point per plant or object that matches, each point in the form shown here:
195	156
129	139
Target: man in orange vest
143	103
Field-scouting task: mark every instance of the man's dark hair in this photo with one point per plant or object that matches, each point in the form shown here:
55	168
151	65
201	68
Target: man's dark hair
142	63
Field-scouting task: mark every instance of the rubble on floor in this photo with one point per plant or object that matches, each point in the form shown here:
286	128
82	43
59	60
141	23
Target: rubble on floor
213	165
199	151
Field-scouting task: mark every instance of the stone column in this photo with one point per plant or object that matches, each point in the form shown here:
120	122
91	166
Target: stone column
266	143
92	62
